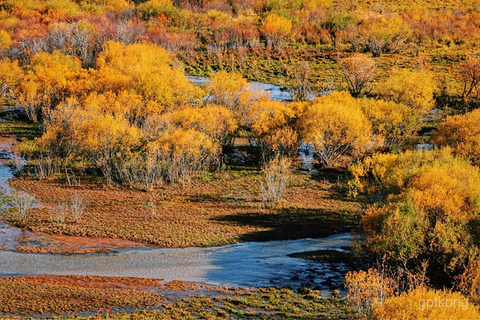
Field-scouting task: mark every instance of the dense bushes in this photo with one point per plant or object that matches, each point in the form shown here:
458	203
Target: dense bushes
426	206
131	116
423	303
462	134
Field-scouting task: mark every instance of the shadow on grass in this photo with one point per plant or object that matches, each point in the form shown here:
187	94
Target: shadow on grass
23	130
240	199
290	223
332	175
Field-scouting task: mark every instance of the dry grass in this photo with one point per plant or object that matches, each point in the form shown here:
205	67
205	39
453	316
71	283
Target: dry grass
62	295
132	298
216	209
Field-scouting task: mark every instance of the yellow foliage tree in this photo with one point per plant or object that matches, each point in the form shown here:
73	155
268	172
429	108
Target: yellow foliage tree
103	137
368	289
393	124
153	8
336	125
426	304
462	134
217	122
413	88
60	136
385	34
274	125
275	28
5	42
50	79
103	6
277	173
230	89
182	152
359	72
427	202
469	75
129	105
10	76
145	68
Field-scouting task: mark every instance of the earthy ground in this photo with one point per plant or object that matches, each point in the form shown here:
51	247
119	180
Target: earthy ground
218	208
133	298
37	242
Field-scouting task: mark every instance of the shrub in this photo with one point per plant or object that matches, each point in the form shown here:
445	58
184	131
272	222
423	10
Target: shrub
22	202
427	207
462	134
277	173
423	303
413	88
359	72
367	289
77	207
335	125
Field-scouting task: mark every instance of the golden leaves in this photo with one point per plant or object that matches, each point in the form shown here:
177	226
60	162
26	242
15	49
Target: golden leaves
146	69
462	134
335	124
423	303
276	27
413	88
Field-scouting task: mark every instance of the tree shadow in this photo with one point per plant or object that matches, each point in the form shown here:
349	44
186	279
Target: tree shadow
292	223
332	175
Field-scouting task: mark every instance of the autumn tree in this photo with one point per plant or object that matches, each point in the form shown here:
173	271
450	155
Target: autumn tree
229	89
275	29
337	23
462	134
81	128
274	125
426	203
5	42
394	125
60	137
423	303
182	152
146	69
74	39
10	76
385	34
276	173
153	8
368	289
335	125
299	83
49	79
413	88
469	75
215	121
359	72
107	6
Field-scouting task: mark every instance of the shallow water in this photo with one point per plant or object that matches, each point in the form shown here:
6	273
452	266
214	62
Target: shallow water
250	264
271	91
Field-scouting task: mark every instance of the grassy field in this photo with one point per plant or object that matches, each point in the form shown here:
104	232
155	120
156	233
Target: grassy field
132	298
218	208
